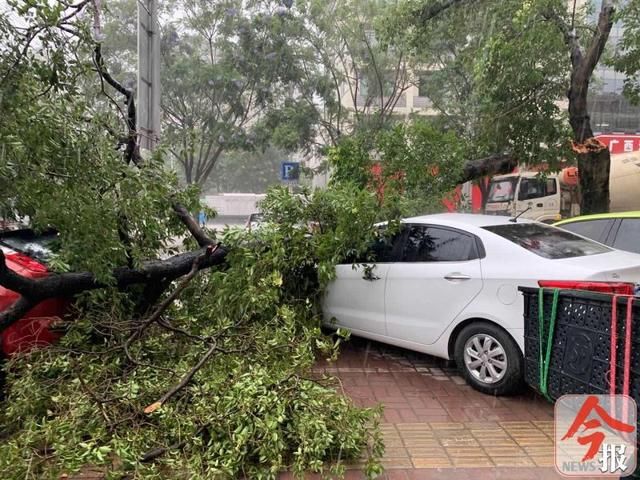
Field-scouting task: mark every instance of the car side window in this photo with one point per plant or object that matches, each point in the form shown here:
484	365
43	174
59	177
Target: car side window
628	237
593	229
532	188
431	244
385	248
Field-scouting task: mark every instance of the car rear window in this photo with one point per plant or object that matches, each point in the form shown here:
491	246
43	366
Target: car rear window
38	247
547	241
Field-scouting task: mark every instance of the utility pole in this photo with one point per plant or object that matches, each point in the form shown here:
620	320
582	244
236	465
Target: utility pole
148	74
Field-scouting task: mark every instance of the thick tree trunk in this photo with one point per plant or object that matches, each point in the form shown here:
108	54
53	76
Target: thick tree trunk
594	159
67	285
594	170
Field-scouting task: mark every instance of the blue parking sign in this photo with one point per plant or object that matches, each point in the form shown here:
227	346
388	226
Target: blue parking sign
290	171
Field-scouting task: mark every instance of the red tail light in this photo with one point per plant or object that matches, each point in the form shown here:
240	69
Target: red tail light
614	288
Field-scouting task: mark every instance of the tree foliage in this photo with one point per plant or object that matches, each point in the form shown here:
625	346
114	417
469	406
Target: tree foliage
411	166
254	408
494	72
514	61
214	379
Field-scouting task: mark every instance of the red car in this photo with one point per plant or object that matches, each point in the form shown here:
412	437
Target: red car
26	253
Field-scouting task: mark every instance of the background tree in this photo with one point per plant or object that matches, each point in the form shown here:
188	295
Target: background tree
249	171
527	54
351	79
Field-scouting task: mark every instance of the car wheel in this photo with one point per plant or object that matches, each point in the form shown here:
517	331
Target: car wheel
489	359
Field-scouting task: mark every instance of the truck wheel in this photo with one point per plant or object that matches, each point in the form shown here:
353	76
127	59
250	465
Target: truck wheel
489	359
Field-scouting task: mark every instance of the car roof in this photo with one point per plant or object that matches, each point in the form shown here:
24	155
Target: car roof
464	219
601	216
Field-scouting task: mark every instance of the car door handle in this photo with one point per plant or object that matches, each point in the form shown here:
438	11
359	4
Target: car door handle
540	205
452	277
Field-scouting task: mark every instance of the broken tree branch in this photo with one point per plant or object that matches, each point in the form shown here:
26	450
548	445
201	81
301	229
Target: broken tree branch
67	285
495	164
184	381
187	219
195	268
132	149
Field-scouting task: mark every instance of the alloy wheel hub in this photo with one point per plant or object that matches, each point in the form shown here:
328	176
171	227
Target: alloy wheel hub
485	358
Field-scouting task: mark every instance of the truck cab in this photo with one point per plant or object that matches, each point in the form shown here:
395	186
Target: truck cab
545	198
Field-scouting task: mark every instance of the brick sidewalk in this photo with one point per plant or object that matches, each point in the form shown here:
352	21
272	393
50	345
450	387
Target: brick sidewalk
435	426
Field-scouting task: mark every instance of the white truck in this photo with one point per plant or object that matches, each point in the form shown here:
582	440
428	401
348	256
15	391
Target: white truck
551	197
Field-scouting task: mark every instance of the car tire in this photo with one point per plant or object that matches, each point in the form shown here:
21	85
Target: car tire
489	359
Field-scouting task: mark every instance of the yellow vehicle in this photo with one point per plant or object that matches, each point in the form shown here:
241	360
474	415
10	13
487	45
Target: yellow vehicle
618	230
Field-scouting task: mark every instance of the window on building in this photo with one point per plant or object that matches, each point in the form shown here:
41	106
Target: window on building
424	83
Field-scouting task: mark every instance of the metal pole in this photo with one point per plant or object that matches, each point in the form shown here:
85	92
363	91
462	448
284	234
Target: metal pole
148	74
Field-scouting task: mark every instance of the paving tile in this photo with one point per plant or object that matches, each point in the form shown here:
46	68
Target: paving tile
474	462
544	461
422	443
539	451
512	461
447	426
413	426
455	452
498	443
500	451
395	452
417	433
393	443
431	462
434	451
418	436
397	463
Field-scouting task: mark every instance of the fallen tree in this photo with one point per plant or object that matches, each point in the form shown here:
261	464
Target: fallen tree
496	164
68	285
167	366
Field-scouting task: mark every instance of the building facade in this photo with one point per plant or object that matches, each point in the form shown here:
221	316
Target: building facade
609	109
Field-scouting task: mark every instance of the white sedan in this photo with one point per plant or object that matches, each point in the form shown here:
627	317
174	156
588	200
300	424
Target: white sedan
447	285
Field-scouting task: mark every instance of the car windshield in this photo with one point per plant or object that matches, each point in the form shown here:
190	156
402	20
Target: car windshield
39	247
502	190
547	241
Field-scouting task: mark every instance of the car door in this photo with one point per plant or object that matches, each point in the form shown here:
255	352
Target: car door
438	276
355	299
551	200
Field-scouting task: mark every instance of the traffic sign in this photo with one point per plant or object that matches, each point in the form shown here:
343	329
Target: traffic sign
290	171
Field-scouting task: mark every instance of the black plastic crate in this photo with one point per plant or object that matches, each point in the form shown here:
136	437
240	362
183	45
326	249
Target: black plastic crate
581	345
